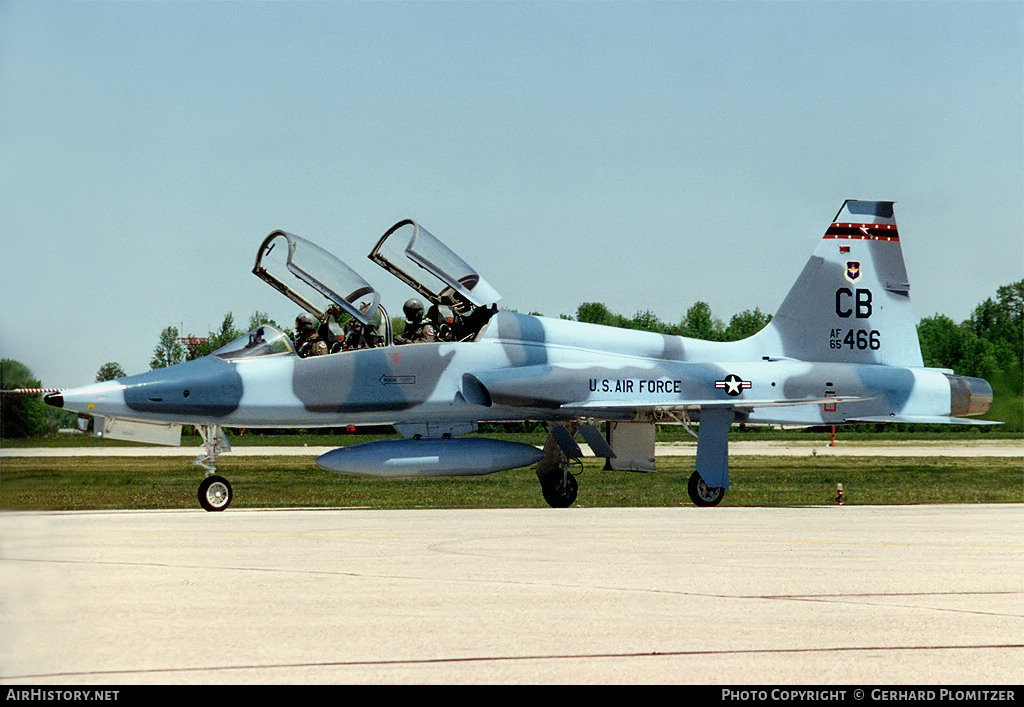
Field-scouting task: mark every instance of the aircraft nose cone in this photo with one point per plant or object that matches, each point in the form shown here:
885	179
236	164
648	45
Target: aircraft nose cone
104	398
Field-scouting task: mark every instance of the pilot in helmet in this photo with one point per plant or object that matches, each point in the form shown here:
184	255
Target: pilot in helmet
417	326
308	340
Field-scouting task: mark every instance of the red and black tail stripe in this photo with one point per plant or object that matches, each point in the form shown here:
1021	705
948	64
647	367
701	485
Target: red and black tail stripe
863	231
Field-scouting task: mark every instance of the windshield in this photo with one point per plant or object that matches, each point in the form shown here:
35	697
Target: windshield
299	262
262	341
427	265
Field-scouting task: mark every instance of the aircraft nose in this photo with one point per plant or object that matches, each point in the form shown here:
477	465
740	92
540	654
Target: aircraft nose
204	387
105	398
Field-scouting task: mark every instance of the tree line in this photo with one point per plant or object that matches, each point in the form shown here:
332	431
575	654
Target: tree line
989	344
697	323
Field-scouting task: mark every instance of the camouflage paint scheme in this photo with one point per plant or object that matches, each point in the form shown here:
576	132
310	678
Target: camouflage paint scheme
842	348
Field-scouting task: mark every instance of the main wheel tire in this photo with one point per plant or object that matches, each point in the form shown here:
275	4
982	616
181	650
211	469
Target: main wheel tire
703	495
215	493
560	491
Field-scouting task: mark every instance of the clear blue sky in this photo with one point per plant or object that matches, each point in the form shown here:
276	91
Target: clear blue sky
643	155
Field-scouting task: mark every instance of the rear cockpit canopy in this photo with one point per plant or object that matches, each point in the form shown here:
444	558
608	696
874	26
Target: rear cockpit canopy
409	252
264	340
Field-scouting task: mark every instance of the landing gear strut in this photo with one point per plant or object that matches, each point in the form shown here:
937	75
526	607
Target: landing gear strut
556	483
707	486
214	492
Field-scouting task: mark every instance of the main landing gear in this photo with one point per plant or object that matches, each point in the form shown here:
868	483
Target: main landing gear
559	488
556	483
708	486
560	451
214	491
703	495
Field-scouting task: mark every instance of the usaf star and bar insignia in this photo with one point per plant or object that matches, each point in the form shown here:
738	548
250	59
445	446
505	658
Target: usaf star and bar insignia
733	384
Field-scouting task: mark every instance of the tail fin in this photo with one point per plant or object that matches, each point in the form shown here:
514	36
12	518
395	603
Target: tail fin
851	303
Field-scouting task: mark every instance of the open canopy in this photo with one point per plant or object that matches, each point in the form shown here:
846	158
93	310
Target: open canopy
298	268
412	254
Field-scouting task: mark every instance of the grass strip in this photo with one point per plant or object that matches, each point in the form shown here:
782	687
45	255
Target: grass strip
84	483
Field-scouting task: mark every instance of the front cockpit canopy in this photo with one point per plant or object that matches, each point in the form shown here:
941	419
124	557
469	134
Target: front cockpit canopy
313	268
264	340
438	273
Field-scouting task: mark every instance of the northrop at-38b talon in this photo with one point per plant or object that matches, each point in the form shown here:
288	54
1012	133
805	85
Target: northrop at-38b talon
842	348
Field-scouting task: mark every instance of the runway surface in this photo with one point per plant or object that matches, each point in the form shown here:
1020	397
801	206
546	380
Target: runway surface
838	595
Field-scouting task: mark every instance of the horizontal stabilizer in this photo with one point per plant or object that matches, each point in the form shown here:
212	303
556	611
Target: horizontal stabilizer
924	420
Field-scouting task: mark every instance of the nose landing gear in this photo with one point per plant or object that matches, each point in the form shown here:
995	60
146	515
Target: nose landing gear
214	492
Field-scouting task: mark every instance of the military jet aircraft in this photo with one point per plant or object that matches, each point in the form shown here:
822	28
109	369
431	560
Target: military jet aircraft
842	348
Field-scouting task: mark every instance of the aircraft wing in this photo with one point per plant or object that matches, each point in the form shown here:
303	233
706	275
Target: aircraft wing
695	404
660	386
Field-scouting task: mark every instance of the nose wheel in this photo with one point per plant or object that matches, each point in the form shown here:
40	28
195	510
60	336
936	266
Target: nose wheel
215	493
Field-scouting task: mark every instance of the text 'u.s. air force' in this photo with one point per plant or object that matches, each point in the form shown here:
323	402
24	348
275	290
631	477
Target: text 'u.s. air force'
634	385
